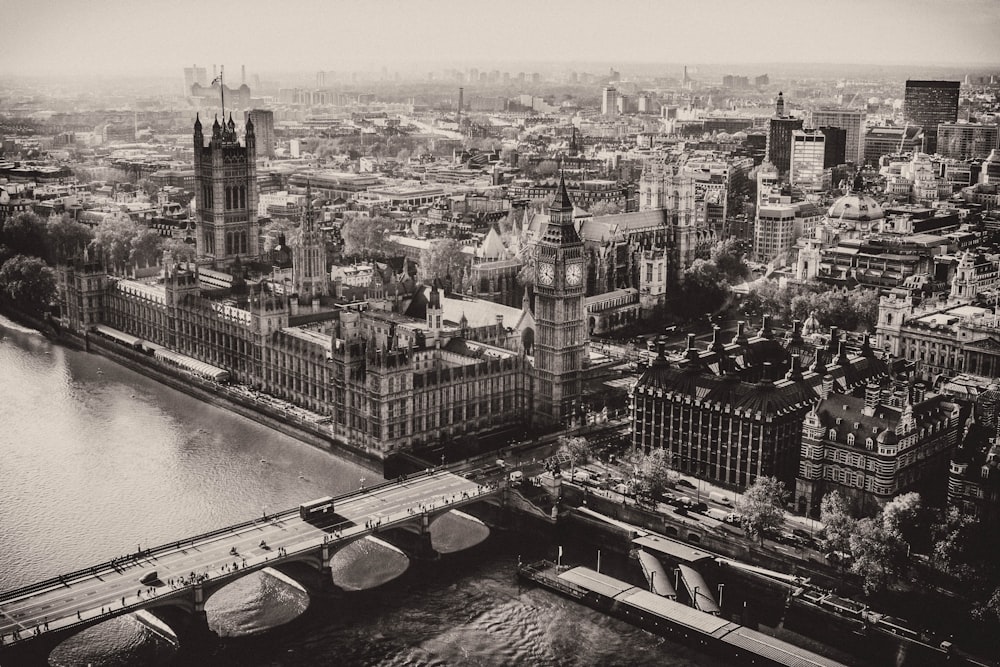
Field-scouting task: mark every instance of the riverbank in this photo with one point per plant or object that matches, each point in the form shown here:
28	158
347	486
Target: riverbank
213	393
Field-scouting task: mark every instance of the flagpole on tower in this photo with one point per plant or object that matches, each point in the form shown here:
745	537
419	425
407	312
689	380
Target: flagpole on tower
222	90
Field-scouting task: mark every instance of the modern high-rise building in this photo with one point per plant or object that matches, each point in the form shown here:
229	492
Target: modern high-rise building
193	75
807	157
560	315
609	102
965	141
225	174
850	120
835	146
928	104
263	124
779	136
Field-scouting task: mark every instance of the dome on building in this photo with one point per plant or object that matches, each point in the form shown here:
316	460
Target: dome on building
855	206
887	437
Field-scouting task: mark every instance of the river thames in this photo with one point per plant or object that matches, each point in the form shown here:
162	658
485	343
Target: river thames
98	460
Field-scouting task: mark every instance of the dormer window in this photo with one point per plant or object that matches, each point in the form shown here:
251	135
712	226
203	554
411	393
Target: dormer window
833	434
850	439
869	443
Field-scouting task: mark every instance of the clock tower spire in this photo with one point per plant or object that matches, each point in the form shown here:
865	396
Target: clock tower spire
560	315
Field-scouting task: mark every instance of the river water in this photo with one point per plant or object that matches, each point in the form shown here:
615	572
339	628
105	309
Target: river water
97	460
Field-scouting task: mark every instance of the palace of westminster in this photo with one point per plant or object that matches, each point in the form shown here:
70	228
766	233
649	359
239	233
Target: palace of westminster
387	380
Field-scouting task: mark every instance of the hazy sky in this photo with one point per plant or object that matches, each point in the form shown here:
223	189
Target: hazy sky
136	36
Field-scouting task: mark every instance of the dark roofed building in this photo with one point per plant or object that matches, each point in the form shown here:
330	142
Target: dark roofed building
873	446
733	412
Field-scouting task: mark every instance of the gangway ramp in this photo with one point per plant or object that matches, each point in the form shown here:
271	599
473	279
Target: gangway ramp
672	550
659	582
698	589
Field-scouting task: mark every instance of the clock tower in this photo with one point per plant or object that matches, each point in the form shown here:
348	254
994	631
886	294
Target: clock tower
560	315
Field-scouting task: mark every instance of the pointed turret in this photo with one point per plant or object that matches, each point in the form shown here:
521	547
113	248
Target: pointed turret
197	123
779	106
562	203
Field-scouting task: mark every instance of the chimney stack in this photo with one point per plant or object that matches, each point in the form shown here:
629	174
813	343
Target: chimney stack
765	327
796	331
741	337
826	388
842	353
919	392
819	365
795	371
717	345
832	348
691	352
873	395
767	372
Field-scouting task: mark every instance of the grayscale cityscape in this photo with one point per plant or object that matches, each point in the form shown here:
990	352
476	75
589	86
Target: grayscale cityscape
550	334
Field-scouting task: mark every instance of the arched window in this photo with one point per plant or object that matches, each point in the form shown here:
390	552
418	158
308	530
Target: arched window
833	434
850	439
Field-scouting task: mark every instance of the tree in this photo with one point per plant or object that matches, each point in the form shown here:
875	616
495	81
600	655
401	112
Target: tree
905	517
28	282
180	250
364	236
148	187
704	289
839	524
442	258
729	256
146	247
605	208
66	238
113	240
762	507
577	448
652	475
875	553
546	168
24	234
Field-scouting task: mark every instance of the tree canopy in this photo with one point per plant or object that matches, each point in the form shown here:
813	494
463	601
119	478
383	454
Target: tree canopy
28	281
443	258
365	236
838	522
652	473
875	554
66	238
577	448
24	234
762	507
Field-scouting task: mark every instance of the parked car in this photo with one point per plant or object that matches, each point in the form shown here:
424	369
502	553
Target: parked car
734	518
801	532
685	483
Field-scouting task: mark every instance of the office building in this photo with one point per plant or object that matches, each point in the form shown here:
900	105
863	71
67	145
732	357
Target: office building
779	137
928	104
263	123
871	448
834	146
966	141
881	141
733	412
852	122
609	101
807	158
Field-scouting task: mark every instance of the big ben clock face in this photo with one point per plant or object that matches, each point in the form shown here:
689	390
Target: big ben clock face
546	273
574	274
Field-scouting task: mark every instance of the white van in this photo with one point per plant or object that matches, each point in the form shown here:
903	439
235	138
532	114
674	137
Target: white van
516	477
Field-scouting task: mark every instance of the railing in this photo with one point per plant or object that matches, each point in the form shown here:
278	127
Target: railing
65	579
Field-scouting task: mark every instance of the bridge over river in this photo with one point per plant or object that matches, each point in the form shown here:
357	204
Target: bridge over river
36	618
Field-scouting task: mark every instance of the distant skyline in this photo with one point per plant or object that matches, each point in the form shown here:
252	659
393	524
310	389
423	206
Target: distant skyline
108	37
